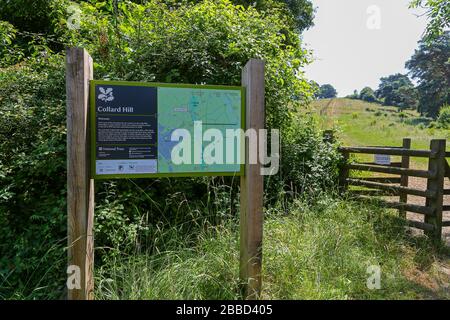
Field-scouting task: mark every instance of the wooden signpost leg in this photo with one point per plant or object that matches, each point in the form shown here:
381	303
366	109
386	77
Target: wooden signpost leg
251	219
80	188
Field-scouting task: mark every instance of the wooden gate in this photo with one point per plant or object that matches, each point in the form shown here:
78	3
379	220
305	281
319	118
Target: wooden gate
397	183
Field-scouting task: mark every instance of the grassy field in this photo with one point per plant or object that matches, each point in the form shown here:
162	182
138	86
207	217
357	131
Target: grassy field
318	251
369	124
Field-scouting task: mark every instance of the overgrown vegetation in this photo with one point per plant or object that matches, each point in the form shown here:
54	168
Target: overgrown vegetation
317	251
444	117
199	42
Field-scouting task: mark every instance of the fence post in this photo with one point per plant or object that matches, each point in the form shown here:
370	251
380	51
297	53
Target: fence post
404	177
80	188
344	171
436	165
251	217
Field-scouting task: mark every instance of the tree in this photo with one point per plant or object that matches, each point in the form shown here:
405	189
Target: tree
42	22
438	12
302	11
354	95
367	94
327	91
397	90
430	66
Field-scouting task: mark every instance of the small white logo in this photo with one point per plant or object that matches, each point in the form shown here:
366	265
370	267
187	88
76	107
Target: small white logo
74	276
106	94
374	279
73	21
374	19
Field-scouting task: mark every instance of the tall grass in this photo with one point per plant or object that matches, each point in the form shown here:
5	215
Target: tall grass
316	251
314	248
45	280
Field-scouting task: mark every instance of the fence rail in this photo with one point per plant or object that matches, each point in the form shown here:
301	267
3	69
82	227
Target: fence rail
393	151
392	170
438	169
400	189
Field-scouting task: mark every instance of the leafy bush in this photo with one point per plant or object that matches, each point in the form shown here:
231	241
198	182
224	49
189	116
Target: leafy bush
208	43
309	164
32	177
9	53
402	115
432	125
444	117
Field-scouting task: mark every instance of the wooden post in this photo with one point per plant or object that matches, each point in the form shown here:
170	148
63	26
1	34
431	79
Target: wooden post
80	188
404	177
436	164
251	217
344	171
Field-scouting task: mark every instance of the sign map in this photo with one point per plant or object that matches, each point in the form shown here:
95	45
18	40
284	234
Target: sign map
144	129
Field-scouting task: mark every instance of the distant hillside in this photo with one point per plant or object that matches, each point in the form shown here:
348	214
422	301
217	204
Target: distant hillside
363	123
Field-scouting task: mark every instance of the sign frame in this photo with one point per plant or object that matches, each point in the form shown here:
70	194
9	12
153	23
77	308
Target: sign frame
92	114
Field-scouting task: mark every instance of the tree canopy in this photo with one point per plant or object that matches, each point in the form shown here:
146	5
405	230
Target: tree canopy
41	20
438	12
430	65
326	91
396	90
367	94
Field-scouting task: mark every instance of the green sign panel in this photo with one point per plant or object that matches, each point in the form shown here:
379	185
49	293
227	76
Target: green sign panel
165	130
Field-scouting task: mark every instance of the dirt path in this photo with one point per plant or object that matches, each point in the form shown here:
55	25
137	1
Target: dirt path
327	112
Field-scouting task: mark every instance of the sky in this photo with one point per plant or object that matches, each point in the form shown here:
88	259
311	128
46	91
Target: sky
356	42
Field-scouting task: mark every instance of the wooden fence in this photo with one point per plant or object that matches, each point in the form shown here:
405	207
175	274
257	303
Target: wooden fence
397	183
